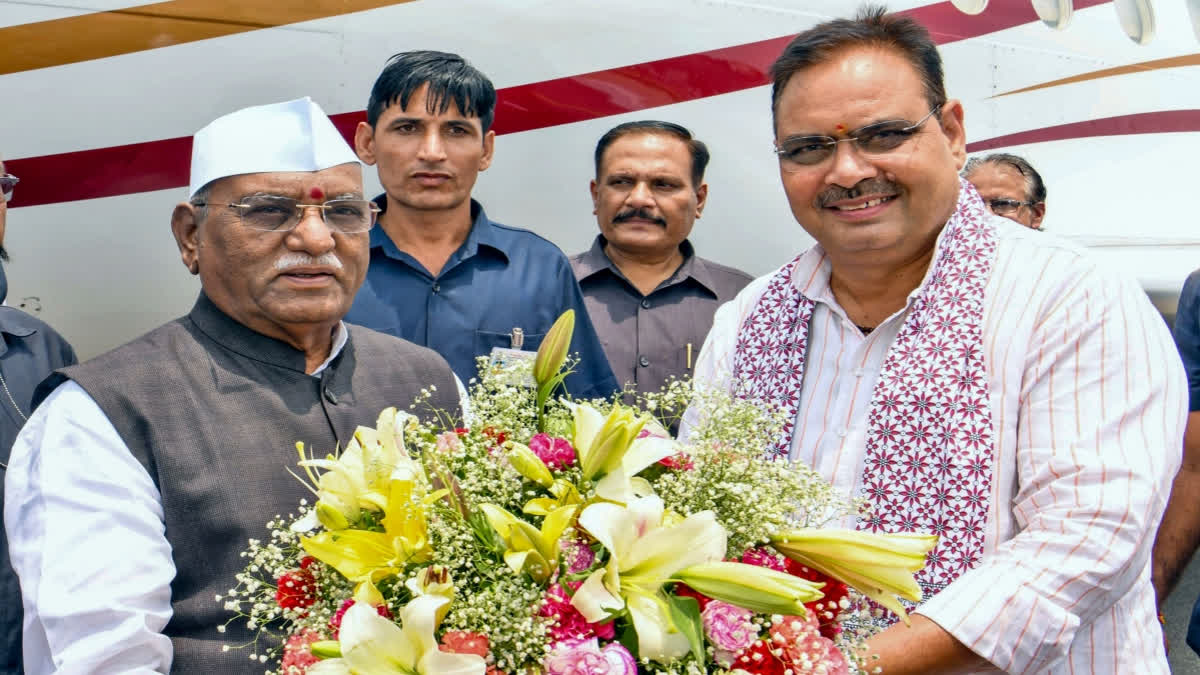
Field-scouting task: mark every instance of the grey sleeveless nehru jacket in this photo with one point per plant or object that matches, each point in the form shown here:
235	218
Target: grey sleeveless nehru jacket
213	410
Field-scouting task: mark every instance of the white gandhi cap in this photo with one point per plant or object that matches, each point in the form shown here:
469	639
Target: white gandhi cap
289	136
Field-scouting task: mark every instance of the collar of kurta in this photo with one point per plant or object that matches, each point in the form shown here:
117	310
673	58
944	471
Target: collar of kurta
486	235
595	261
929	456
240	339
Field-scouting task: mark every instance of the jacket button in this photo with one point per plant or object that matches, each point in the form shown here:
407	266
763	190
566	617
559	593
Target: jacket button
645	304
643	362
330	396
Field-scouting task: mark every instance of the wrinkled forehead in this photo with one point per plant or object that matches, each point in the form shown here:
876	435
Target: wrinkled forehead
647	150
344	180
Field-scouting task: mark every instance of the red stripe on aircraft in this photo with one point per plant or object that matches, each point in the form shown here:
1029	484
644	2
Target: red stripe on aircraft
164	164
1159	122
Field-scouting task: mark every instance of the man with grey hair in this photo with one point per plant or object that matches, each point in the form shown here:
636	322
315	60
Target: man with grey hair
143	472
1010	187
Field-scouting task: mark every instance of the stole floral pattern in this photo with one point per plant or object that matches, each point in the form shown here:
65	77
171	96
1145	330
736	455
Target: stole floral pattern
929	440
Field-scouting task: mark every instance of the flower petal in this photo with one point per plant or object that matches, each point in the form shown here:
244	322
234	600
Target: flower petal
647	450
373	644
698	539
438	662
593	600
658	639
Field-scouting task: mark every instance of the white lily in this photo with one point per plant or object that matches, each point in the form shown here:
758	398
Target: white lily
373	645
643	555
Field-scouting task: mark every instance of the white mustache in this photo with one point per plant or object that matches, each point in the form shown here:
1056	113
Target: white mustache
290	260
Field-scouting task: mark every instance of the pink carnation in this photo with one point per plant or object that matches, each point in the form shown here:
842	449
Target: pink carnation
798	640
761	557
297	656
449	442
569	624
556	453
728	627
465	642
680	461
585	657
579	556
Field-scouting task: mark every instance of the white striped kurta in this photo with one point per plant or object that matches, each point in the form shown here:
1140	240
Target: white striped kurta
1088	400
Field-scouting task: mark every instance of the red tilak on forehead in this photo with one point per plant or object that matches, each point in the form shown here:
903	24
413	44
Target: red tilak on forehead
316	193
840	128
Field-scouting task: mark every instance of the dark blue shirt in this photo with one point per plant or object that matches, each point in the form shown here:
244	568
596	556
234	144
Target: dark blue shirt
501	278
29	351
1187	336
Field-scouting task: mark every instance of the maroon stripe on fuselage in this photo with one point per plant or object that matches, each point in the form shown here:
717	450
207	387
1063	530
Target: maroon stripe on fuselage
164	164
1158	122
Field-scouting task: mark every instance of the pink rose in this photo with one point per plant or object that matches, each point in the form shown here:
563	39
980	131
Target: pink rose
728	627
556	453
585	657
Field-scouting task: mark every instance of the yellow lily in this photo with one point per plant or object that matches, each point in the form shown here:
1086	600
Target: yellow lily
369	644
360	476
880	566
758	589
565	494
609	450
643	555
528	464
366	556
530	550
553	350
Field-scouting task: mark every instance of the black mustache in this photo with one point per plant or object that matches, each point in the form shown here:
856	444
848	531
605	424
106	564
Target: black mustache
870	186
638	213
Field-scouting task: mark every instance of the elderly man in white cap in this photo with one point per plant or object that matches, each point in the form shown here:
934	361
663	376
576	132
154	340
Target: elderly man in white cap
143	472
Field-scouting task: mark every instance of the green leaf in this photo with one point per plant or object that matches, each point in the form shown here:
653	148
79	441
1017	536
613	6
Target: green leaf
628	639
685	614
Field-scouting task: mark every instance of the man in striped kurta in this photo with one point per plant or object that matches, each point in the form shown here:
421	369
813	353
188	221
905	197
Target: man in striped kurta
967	378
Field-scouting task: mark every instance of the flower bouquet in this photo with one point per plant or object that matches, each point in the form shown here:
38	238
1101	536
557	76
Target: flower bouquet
548	535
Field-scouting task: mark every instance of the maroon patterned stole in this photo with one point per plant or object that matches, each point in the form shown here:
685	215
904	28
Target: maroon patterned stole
928	464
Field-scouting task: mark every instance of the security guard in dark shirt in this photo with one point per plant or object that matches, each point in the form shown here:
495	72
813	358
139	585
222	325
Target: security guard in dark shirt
650	297
29	351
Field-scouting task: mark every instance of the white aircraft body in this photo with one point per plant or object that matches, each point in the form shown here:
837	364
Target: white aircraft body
98	99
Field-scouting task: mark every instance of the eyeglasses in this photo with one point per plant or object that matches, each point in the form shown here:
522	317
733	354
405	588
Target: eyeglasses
272	213
880	138
7	183
1004	207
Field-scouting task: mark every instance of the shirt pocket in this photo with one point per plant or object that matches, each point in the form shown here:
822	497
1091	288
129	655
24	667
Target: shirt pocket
485	341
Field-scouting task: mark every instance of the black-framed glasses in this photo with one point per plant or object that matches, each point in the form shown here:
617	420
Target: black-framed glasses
1004	207
880	138
8	182
273	213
